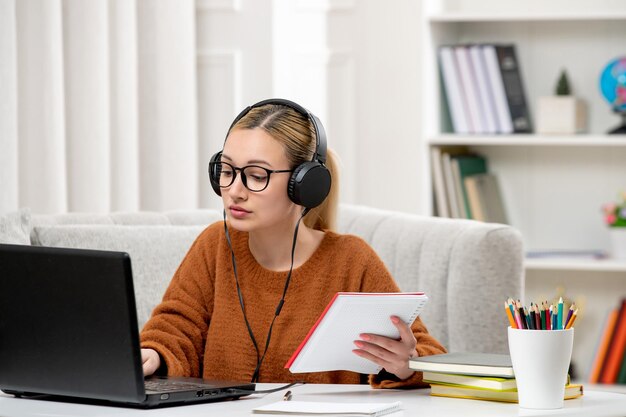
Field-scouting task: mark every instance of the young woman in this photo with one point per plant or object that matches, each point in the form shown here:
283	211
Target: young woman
251	287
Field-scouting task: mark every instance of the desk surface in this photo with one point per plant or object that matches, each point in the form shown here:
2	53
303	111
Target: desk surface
414	403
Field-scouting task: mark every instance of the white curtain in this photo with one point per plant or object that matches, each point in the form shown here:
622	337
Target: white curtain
98	108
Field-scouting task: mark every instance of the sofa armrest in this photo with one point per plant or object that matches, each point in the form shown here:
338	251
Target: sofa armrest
486	268
467	269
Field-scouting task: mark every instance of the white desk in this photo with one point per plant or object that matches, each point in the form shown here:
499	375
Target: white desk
414	403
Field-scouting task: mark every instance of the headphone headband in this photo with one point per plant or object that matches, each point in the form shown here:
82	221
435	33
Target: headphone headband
320	133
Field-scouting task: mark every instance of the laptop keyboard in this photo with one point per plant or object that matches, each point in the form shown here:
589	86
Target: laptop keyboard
163	385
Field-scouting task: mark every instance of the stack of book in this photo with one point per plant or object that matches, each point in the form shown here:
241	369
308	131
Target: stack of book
484	89
609	364
463	186
479	376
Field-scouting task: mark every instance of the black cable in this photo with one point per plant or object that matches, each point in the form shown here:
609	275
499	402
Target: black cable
243	309
260	358
265	391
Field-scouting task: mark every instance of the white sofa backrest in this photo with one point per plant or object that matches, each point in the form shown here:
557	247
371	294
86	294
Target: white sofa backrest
466	268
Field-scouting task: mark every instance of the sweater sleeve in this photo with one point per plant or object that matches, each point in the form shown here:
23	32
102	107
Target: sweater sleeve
376	278
179	324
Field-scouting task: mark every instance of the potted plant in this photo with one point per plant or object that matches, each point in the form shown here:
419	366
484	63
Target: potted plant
615	218
561	113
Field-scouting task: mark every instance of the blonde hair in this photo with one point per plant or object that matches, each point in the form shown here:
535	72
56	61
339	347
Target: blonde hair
297	135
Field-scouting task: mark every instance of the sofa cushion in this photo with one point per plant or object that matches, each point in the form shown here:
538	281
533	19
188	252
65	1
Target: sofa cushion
15	227
155	252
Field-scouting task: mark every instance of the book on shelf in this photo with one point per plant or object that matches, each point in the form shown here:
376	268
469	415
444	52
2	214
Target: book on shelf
464	165
443	180
483	89
470	381
485	94
442	208
466	363
617	346
485	199
452	192
329	344
496	87
509	78
453	87
571	391
603	346
475	112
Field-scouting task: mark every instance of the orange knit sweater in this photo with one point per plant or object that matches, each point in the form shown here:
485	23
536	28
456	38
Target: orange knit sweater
198	329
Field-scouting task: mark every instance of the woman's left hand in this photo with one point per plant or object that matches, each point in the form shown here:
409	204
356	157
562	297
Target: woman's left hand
391	354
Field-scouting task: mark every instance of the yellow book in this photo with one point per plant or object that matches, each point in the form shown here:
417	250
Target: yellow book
470	381
456	391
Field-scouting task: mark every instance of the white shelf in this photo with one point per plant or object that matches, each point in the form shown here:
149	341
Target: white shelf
553	186
460	17
529	140
570	264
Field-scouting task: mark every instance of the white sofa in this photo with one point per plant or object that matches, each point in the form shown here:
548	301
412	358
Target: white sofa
467	268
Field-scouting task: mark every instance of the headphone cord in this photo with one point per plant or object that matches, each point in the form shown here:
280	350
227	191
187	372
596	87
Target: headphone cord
260	358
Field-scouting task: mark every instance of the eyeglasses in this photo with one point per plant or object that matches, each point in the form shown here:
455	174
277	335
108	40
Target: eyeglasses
253	177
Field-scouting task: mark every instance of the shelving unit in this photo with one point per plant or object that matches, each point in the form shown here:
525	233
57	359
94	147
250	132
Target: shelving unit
553	186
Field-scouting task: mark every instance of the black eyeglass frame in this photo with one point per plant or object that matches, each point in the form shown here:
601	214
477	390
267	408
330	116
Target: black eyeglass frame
213	167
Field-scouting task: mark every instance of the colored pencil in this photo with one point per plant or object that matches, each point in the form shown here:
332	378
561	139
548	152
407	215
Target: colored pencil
509	316
537	318
572	319
569	313
518	320
520	309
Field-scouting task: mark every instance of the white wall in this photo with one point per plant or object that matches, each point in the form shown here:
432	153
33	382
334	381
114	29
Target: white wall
352	63
234	41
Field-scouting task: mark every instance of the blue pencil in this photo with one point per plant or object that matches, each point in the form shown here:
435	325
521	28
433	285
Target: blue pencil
560	323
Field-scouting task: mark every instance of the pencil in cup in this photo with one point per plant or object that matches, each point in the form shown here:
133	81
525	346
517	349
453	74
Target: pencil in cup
539	318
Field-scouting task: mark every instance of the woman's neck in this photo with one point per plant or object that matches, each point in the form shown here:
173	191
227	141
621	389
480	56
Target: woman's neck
272	250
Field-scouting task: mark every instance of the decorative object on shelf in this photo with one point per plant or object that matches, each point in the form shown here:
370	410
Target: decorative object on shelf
613	88
562	113
615	218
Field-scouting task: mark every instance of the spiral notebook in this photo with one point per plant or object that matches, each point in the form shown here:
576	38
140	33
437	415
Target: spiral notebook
310	408
328	345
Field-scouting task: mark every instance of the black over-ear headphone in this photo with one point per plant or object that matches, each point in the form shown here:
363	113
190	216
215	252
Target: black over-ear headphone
310	181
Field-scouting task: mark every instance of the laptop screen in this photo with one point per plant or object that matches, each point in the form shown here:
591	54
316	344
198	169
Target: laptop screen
68	324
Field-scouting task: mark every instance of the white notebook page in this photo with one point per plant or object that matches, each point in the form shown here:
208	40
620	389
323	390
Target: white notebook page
329	347
326	408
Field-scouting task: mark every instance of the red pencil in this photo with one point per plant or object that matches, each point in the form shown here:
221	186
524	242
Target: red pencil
537	317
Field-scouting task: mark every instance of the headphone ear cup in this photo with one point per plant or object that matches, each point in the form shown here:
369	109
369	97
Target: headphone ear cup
309	184
214	174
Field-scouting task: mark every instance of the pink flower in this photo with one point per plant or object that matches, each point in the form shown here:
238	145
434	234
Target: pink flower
609	208
610	219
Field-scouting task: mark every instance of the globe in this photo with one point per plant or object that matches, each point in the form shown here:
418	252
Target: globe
613	88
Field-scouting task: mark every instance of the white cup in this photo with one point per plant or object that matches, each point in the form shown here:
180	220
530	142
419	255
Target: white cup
540	361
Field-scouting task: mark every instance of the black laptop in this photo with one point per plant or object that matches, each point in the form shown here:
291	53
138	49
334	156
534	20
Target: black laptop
68	329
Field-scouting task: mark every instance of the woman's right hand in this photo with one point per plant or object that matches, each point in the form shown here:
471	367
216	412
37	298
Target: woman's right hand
151	361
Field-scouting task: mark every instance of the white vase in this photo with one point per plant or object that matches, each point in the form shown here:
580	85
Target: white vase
618	242
560	115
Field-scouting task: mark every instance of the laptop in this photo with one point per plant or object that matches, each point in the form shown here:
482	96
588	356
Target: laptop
68	330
